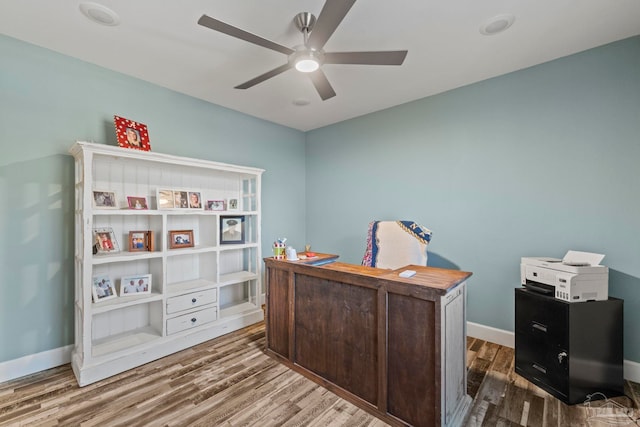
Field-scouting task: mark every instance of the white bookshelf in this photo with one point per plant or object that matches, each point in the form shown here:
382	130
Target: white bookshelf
197	293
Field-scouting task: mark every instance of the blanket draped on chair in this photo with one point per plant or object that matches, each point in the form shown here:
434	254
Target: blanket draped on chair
394	244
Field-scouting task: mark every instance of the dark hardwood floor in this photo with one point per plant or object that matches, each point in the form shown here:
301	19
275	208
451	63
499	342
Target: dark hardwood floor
231	382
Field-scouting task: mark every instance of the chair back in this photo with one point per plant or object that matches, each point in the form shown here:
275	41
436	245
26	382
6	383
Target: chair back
394	244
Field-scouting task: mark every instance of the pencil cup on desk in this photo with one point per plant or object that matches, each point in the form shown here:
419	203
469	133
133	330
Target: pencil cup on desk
279	250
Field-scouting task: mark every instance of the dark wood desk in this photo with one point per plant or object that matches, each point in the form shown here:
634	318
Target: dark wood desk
395	347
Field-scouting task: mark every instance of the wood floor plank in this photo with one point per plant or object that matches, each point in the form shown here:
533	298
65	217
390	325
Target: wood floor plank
230	381
503	361
476	372
536	411
512	408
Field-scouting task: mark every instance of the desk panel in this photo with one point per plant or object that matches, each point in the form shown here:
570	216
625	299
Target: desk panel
387	344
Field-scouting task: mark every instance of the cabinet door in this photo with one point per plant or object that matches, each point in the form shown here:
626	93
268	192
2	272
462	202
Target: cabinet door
542	326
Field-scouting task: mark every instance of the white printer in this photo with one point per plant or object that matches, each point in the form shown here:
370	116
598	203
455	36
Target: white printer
577	277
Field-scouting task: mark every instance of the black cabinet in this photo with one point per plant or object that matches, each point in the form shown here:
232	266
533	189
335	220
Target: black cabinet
569	349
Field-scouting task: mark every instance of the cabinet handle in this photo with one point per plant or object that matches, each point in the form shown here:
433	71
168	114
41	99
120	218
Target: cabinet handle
561	356
194	320
193	300
539	368
539	326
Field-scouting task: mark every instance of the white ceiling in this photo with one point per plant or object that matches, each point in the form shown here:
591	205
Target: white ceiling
160	41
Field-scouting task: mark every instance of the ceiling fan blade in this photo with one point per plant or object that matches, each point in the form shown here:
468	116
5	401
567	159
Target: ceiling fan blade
322	85
392	57
263	77
330	17
214	24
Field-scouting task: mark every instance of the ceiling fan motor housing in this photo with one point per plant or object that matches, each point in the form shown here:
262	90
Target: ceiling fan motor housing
305	21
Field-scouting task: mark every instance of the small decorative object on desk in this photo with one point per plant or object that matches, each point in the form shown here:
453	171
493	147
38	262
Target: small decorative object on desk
307	251
292	255
279	248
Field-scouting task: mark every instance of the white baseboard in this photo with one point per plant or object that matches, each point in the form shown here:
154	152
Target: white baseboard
508	339
33	363
487	333
632	371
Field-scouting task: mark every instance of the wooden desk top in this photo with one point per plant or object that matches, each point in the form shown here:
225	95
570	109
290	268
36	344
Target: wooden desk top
433	277
438	279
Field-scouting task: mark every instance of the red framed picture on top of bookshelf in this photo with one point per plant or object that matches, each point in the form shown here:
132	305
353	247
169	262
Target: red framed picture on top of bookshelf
131	134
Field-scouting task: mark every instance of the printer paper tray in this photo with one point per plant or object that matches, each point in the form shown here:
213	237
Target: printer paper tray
540	288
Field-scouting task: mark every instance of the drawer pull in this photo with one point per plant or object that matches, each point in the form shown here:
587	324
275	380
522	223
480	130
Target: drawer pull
193	300
194	320
539	368
539	326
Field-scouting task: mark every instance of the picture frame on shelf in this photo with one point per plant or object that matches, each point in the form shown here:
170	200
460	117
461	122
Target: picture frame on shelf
135	285
180	239
105	241
232	229
164	198
195	200
131	134
141	241
215	205
232	204
180	199
139	203
105	199
103	289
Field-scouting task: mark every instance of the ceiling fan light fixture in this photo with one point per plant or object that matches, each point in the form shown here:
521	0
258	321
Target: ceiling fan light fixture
306	60
307	65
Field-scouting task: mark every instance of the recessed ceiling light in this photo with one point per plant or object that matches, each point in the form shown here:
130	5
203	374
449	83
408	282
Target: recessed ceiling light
99	13
301	102
497	24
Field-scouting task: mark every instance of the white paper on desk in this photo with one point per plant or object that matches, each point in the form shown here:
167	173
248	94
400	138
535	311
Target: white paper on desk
577	257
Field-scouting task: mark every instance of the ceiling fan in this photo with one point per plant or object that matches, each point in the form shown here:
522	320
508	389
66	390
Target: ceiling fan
309	57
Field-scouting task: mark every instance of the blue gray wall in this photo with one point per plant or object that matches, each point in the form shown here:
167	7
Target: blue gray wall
536	162
533	163
47	102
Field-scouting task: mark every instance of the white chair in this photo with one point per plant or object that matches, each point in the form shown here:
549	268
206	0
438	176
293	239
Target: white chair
394	244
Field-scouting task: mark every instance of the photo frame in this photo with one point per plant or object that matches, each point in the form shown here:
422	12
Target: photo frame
195	200
104	241
233	204
232	229
180	239
164	198
103	289
138	203
104	199
131	134
141	241
180	199
215	205
135	285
